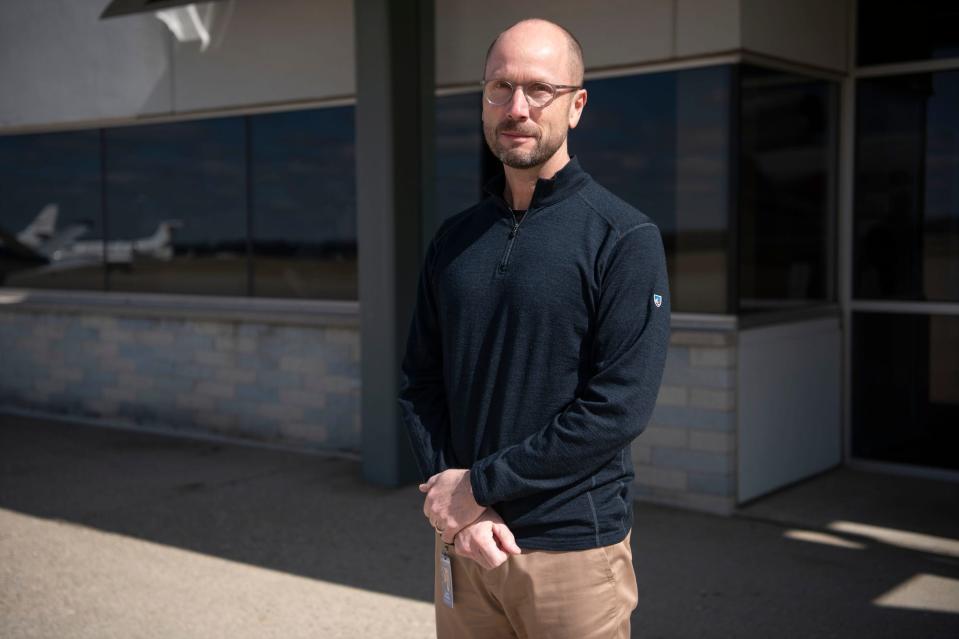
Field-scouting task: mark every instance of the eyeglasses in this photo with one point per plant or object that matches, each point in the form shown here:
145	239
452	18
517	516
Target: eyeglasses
538	94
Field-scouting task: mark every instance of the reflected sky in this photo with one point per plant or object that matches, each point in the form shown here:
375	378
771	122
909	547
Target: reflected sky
459	148
660	141
304	176
51	168
907	187
924	29
188	171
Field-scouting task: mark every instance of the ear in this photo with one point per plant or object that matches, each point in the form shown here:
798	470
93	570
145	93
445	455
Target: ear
576	107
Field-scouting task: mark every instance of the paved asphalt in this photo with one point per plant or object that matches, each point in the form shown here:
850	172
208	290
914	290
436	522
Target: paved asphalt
108	533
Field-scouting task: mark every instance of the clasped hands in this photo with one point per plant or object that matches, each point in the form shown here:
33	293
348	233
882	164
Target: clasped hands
475	531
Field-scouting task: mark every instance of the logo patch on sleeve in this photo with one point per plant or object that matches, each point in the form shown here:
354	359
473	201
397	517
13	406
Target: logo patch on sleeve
657	299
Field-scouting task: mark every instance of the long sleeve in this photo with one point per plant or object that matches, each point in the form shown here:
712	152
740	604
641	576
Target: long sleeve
628	356
422	398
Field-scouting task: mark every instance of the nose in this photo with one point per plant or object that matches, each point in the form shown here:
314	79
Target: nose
518	107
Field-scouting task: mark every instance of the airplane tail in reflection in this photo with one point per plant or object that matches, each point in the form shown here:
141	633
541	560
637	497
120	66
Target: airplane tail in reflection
42	228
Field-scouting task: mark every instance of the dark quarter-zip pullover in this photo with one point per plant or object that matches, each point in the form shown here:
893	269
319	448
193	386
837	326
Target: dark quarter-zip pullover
535	356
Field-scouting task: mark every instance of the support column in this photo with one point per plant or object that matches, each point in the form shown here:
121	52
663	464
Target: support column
394	181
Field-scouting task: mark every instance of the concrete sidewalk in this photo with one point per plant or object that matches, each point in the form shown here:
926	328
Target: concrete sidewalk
107	533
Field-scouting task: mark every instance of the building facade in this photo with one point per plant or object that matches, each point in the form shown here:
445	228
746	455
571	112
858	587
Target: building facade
180	238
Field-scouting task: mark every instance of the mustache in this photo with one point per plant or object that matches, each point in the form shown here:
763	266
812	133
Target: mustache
514	127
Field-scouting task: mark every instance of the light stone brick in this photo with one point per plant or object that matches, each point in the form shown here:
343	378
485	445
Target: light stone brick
294	364
101	406
711	483
215	389
234	343
673	395
101	349
713	399
283	412
306	431
702	338
641	454
236	375
98	321
676	437
115	335
48	331
195	402
692	460
338	384
66	373
208	328
719	357
711	441
245	345
302	398
156	338
218	420
116	364
134	382
341	336
212	358
661	477
115	394
47	386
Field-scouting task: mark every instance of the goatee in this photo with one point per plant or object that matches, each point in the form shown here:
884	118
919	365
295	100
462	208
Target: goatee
517	158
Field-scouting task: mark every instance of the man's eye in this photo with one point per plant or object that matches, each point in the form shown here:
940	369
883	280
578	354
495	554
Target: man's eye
538	89
501	85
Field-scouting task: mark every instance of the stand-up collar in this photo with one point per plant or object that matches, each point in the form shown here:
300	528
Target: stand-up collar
567	181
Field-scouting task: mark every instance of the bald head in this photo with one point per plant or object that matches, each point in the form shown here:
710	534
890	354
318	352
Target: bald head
536	30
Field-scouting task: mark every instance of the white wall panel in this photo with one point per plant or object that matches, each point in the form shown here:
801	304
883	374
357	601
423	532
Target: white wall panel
810	31
612	33
789	404
267	52
706	26
60	63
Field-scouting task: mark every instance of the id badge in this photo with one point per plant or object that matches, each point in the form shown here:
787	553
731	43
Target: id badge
446	578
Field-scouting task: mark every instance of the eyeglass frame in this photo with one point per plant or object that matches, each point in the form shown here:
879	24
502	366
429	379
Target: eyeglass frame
555	87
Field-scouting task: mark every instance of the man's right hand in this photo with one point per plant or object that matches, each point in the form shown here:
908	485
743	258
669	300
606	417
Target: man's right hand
487	541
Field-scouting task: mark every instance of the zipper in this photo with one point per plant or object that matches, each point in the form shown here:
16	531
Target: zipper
512	238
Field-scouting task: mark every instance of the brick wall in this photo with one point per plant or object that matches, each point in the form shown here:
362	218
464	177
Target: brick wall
282	384
299	386
687	455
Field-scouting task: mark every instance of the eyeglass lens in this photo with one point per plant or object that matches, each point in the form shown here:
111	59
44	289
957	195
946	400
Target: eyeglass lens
499	92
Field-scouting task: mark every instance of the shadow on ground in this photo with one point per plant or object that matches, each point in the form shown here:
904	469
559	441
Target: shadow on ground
699	575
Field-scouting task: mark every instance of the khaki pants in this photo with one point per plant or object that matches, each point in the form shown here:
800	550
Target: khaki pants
579	594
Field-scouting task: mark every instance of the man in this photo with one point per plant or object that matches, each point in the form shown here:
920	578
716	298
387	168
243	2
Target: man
534	358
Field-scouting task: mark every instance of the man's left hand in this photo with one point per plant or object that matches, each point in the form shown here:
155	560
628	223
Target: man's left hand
449	504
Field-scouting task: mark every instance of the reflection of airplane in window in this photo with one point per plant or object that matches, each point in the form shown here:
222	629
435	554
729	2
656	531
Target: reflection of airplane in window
58	249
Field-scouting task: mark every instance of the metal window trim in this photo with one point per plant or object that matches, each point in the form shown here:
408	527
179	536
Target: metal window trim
846	205
904	307
183	116
264	310
905	68
788	66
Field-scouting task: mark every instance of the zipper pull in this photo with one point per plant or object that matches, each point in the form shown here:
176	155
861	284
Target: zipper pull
514	230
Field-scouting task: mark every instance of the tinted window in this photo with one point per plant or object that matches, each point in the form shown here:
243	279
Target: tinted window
894	31
459	149
905	399
906	243
50	204
787	191
304	204
661	142
176	207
